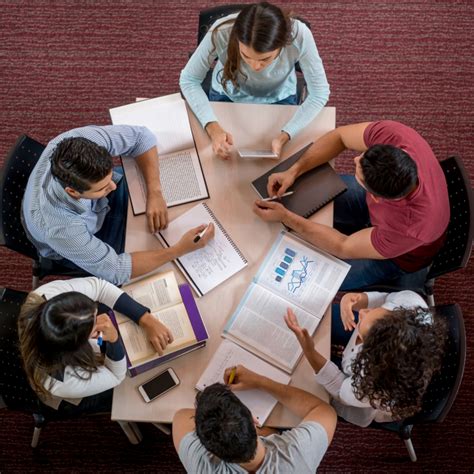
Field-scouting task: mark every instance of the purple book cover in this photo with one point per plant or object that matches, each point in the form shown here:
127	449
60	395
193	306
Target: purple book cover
197	324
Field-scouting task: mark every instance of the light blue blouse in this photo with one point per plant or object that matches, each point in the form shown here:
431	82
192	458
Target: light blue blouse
274	83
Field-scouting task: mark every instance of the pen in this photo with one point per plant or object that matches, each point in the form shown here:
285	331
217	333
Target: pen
231	376
273	198
100	338
199	236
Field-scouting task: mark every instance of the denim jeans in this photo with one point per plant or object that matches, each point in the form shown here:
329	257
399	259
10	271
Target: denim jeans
215	96
351	215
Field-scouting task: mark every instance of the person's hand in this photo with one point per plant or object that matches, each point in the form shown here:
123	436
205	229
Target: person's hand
158	334
278	183
222	141
279	142
156	212
270	211
186	243
244	378
348	301
104	324
302	334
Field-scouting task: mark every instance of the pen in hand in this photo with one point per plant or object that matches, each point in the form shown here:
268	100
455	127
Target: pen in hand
200	235
274	198
100	339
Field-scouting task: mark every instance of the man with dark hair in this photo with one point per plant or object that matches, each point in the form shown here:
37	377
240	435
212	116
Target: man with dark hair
75	204
220	434
394	216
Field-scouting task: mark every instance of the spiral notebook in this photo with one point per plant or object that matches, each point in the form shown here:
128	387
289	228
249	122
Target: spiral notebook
208	267
311	191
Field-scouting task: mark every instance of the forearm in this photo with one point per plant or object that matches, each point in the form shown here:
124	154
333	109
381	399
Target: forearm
296	400
147	261
149	166
322	236
324	149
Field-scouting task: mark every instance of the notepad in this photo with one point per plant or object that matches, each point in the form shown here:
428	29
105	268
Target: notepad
211	265
228	354
312	190
181	174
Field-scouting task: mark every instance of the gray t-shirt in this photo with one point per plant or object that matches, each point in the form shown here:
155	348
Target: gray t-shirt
299	450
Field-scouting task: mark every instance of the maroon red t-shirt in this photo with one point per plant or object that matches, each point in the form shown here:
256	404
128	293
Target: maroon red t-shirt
410	231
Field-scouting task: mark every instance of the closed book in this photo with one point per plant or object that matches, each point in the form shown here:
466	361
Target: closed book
311	191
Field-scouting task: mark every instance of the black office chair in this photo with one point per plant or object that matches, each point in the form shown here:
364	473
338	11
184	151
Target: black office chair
13	179
456	250
15	391
444	386
206	20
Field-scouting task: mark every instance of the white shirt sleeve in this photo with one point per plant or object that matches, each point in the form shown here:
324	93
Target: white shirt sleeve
79	383
339	385
95	288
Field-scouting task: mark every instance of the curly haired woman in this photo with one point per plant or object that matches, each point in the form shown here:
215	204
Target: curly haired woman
394	349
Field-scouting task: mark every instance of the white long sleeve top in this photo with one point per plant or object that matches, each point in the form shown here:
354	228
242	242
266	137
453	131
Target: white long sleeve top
339	382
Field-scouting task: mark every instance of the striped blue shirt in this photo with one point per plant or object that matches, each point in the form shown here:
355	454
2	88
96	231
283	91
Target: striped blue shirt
274	83
63	227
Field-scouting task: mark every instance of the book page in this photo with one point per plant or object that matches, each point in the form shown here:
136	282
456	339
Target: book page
258	323
207	267
166	117
301	274
181	179
228	354
155	292
139	348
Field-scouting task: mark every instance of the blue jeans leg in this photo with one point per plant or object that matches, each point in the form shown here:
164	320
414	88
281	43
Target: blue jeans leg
351	213
365	272
215	96
114	226
290	100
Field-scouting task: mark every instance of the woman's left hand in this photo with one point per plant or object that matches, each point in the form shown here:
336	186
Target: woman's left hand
158	334
279	142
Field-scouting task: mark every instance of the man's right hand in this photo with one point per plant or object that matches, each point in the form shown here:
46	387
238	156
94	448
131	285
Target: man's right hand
186	244
278	183
244	378
222	141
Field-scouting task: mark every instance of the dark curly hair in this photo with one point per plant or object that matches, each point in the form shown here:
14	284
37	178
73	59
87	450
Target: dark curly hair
400	354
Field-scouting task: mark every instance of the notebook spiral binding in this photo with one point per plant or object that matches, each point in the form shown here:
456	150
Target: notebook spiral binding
227	236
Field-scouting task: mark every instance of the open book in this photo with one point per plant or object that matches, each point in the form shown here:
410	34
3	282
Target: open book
228	354
181	175
207	267
293	275
175	307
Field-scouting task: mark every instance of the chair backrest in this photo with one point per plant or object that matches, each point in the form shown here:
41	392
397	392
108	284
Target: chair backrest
210	15
444	385
457	247
16	171
14	387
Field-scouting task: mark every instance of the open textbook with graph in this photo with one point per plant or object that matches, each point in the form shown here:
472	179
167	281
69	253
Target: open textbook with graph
181	175
293	275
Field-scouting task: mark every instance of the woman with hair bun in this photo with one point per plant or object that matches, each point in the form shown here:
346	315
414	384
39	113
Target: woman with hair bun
255	52
389	358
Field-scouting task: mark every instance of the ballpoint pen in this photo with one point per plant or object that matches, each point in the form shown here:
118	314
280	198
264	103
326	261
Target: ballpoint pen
274	198
199	236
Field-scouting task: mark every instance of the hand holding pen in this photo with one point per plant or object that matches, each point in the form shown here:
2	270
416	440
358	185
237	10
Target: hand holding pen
104	329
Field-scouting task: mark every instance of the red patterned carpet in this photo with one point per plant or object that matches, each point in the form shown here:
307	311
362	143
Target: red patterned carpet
64	63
